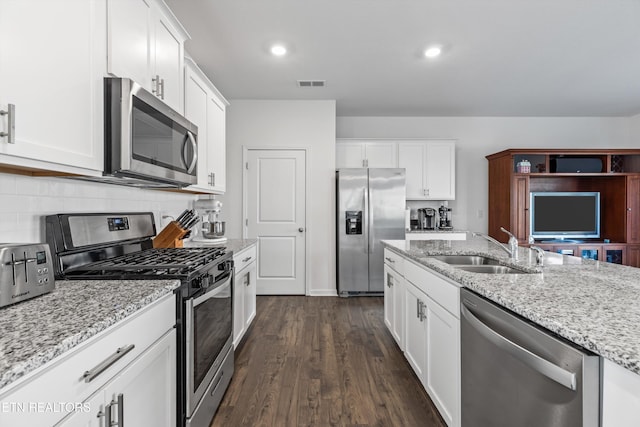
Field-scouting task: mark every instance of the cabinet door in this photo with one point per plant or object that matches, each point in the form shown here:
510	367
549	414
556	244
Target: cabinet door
415	346
195	110
167	56
91	414
129	40
519	209
389	300
147	387
616	254
381	155
633	209
58	109
411	157
593	252
633	255
216	138
443	362
398	310
350	155
440	171
249	295
238	306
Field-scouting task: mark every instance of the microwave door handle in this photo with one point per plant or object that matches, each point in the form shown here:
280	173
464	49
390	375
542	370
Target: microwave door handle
194	146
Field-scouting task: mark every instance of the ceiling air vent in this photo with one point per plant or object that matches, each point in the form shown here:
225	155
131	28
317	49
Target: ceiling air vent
311	83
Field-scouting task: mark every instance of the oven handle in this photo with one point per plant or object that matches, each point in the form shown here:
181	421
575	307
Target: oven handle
213	290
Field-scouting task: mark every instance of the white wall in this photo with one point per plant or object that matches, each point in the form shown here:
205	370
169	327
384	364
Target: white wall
26	200
289	124
480	136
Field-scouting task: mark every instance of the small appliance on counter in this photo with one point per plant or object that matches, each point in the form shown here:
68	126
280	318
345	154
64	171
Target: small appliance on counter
445	214
212	230
427	218
26	272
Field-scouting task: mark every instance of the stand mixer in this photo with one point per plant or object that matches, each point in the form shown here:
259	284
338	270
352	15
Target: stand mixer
212	229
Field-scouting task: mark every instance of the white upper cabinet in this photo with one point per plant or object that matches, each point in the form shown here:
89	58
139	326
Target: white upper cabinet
52	60
430	169
365	154
440	170
146	44
206	108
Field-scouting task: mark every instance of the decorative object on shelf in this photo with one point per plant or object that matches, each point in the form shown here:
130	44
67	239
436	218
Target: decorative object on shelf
523	166
617	163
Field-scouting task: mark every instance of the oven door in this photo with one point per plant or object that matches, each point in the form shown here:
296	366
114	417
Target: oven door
145	138
209	323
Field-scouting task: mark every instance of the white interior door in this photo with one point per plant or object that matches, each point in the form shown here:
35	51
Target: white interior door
275	215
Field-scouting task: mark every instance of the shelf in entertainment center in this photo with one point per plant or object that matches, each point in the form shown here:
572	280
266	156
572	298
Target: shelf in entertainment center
560	174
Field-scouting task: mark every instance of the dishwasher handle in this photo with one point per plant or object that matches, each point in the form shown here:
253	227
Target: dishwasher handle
535	362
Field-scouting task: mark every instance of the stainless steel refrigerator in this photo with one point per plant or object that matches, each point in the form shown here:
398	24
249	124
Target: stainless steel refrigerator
370	207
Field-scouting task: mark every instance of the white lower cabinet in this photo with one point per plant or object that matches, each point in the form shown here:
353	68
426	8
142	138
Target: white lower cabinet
620	396
393	303
134	359
244	292
430	325
144	394
415	346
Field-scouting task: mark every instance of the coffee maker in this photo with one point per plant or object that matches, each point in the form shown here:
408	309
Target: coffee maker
444	214
427	218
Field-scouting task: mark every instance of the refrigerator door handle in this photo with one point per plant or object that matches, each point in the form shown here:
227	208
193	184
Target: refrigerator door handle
365	225
371	236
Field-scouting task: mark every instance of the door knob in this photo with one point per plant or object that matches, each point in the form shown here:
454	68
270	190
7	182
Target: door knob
301	229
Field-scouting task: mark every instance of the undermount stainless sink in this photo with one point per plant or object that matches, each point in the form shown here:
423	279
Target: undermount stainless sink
469	260
490	269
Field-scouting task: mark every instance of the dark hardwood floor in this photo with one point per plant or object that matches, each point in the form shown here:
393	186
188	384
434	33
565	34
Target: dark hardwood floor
323	361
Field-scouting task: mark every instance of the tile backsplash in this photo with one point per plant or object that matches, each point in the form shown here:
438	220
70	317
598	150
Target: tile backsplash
25	200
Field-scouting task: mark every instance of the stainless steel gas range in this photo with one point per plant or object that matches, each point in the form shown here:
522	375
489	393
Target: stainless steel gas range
119	246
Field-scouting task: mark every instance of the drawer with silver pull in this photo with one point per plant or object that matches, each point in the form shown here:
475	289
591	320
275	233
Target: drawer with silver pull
394	261
75	375
244	258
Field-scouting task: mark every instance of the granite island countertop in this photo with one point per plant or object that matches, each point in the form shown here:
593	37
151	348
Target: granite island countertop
38	330
593	304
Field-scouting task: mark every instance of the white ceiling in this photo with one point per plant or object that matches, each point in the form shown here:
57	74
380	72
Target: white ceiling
501	58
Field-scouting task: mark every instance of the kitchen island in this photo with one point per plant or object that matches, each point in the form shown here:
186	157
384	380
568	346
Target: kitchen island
592	304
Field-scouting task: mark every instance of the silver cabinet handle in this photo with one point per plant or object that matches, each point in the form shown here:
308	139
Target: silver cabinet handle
248	279
213	179
11	125
422	313
535	362
209	180
155	86
418	308
392	261
247	259
108	420
161	88
119	354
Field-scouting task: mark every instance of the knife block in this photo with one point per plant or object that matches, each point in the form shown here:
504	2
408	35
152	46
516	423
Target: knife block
170	237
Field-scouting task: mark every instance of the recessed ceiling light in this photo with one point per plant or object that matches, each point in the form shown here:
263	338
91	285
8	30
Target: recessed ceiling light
278	50
433	52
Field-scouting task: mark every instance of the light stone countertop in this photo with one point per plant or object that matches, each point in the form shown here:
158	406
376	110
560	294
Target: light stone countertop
235	245
593	304
38	330
436	230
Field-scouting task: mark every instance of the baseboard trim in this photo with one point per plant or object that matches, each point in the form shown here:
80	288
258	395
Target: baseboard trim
323	293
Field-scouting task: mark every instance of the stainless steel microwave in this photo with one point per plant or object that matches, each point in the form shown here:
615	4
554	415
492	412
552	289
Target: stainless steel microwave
147	143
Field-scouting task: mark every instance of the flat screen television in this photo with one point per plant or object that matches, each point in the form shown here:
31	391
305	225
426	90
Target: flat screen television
565	215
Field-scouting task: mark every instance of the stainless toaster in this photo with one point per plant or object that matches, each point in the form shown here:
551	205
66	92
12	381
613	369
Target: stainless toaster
26	271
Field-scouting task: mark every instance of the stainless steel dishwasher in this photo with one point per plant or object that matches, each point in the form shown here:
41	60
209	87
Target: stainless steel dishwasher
516	374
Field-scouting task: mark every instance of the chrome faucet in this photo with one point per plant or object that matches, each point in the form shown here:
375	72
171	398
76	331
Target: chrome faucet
512	250
539	255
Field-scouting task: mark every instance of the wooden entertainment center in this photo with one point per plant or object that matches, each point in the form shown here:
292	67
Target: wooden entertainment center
615	174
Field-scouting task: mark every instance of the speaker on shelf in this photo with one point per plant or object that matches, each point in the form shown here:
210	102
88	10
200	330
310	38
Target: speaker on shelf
576	165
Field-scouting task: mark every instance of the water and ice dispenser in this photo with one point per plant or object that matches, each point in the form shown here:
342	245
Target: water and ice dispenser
353	222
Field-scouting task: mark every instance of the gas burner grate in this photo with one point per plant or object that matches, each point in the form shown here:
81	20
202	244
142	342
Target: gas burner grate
152	262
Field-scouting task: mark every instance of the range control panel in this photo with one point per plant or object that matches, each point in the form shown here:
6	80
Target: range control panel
26	271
